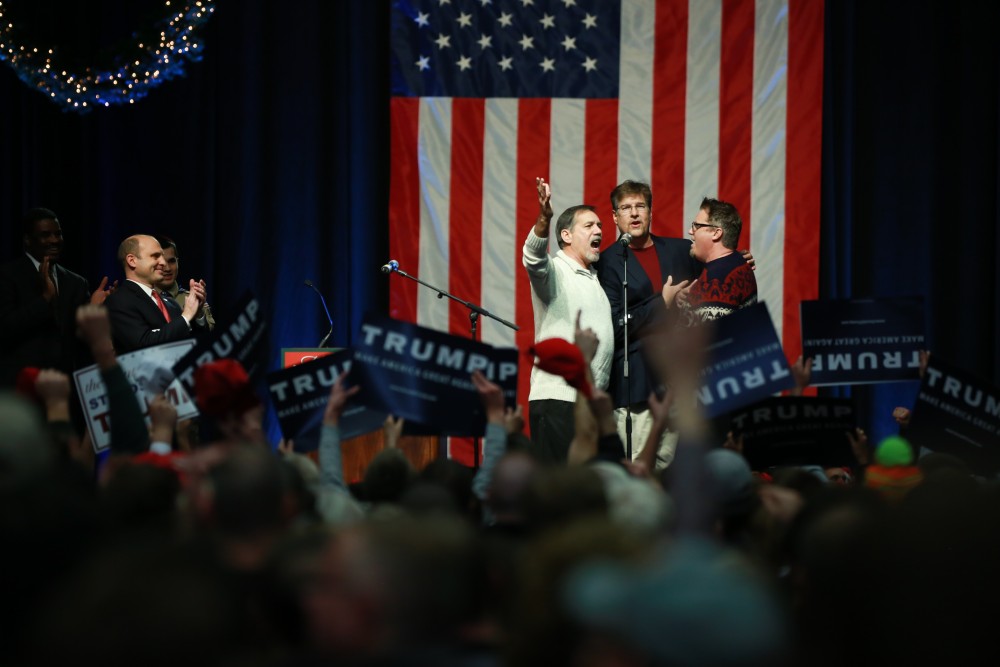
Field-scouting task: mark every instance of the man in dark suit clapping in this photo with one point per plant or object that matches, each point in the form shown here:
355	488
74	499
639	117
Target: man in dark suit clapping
141	315
38	302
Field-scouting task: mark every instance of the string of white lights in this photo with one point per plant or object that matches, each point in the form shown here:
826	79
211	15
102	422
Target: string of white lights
175	41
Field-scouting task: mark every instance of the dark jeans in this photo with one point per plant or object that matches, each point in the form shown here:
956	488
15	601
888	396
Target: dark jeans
552	429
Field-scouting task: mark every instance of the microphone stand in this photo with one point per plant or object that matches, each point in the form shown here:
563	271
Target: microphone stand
474	312
625	374
322	343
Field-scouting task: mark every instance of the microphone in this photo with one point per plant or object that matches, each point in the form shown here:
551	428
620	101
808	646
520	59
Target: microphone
393	265
322	343
625	239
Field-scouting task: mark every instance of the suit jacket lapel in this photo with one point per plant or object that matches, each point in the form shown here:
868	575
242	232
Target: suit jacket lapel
637	279
64	285
173	307
666	261
149	305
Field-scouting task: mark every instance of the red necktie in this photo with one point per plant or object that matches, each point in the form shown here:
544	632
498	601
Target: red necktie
163	306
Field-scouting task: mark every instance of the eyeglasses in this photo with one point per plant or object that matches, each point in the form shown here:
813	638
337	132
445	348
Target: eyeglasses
628	208
698	225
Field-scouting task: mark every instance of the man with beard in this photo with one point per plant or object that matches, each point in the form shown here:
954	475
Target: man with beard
38	302
564	291
660	271
727	283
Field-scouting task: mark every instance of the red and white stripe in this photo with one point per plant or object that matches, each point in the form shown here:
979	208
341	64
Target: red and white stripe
717	97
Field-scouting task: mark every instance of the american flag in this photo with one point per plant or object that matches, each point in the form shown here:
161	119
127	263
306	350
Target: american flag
697	97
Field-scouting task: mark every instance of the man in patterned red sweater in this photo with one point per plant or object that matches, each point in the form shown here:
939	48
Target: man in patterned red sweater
727	282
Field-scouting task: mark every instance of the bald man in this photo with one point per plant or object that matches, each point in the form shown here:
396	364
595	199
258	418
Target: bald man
141	315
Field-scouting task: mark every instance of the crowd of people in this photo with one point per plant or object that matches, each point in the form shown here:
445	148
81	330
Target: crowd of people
560	549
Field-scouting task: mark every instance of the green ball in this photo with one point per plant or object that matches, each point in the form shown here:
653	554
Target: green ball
894	451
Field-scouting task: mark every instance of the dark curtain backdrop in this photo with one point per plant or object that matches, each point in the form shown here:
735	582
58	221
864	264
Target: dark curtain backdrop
268	164
910	177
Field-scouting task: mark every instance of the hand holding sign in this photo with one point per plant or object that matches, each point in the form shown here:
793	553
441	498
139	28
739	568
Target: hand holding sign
94	328
802	372
392	431
491	396
338	399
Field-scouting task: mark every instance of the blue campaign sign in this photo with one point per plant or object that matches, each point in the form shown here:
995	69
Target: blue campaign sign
423	375
299	395
745	362
796	430
242	339
959	414
863	341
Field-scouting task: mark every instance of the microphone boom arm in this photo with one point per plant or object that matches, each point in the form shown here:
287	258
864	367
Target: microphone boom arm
475	309
326	310
474	312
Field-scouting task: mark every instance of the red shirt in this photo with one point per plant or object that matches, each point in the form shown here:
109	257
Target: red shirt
650	263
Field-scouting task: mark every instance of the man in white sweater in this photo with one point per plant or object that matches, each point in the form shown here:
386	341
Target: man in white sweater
564	285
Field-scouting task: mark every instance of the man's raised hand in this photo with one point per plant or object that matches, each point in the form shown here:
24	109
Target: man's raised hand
585	339
544	198
491	396
802	372
338	399
101	294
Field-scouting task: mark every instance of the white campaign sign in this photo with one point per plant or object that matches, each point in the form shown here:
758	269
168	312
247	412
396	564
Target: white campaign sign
149	372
